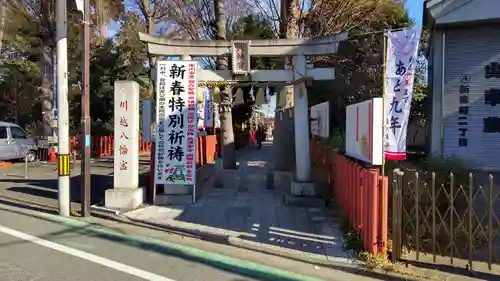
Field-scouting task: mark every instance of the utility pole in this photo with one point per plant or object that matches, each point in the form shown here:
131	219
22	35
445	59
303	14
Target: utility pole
62	101
85	121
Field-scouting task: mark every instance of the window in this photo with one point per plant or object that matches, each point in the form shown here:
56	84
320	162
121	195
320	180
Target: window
17	133
3	132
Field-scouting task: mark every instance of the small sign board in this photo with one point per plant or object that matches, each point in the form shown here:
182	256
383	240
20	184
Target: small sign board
147	120
240	54
364	131
320	123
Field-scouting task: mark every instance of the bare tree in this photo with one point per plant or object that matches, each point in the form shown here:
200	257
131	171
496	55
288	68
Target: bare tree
226	106
208	20
154	13
3	11
104	12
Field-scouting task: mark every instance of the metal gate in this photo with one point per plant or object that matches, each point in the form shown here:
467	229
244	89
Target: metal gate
446	219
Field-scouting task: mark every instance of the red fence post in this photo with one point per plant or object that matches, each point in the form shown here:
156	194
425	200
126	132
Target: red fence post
111	146
384	213
356	195
374	213
101	146
349	198
366	209
152	171
344	176
362	204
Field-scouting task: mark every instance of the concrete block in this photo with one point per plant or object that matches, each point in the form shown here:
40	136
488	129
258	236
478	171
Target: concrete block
227	178
304	201
303	188
174	200
124	199
204	173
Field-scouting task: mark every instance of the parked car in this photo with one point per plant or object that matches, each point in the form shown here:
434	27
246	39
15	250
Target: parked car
15	143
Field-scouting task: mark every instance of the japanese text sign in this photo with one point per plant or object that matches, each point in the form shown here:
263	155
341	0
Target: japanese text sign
208	114
240	54
364	131
216	115
146	118
402	48
320	125
176	122
126	127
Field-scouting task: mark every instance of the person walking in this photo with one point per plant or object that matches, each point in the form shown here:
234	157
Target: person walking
253	139
260	136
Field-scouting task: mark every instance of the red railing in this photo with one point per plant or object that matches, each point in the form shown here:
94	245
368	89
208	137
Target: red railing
102	146
357	190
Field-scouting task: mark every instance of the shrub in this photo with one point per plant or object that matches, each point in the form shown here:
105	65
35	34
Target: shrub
336	142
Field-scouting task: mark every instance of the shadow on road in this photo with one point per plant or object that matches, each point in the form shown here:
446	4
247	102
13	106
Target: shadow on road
161	248
48	188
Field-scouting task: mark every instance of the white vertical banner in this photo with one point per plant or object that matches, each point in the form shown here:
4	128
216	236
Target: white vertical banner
402	53
208	94
216	115
201	111
147	108
176	122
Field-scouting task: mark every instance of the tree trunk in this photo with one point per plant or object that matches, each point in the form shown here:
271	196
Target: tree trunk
2	22
47	10
284	128
103	30
47	74
102	19
150	28
226	106
17	98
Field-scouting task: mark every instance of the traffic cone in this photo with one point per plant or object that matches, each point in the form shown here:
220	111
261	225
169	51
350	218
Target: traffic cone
52	156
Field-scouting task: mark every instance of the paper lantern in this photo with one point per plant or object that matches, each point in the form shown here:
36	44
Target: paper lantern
260	97
239	99
199	95
216	94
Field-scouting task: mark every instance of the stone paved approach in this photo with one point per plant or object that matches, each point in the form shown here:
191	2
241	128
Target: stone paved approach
245	210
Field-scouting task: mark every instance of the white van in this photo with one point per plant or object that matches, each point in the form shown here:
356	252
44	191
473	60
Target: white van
15	144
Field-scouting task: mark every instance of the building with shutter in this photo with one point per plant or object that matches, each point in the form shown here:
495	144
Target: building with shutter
464	79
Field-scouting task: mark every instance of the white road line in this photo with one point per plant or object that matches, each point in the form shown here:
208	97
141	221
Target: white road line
86	256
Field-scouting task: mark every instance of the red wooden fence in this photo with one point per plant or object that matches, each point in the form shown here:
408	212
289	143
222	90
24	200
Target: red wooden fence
357	190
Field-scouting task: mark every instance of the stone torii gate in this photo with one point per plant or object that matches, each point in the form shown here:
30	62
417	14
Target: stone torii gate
241	74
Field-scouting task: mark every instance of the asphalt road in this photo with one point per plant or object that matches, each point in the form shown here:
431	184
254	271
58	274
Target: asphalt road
36	249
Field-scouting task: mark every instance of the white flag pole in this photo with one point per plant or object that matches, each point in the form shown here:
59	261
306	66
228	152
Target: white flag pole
384	117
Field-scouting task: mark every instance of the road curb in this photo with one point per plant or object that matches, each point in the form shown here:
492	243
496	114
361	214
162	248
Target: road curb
234	265
204	236
212	236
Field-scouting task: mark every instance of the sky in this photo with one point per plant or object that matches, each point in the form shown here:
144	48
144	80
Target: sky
414	9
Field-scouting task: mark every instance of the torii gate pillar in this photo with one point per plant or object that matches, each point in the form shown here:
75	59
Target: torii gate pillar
301	126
